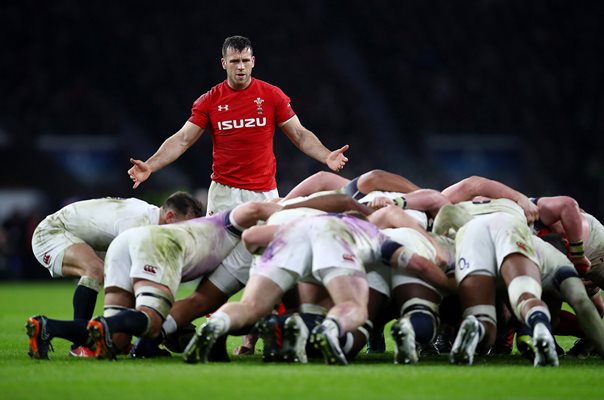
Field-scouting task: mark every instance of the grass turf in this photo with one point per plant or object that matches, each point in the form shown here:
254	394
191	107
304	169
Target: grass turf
369	377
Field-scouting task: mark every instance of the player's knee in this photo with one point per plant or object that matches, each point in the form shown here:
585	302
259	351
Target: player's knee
423	315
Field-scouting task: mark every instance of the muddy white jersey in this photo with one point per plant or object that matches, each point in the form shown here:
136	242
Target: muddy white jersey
170	254
490	206
98	221
289	215
594	246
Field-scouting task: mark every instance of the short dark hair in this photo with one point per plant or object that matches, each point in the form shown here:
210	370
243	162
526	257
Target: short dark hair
238	43
185	204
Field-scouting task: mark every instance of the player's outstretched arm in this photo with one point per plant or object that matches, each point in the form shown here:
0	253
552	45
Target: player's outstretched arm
378	179
399	256
170	150
473	186
321	181
331	203
310	145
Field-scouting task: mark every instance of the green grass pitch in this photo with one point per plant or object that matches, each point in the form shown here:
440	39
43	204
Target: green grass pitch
369	377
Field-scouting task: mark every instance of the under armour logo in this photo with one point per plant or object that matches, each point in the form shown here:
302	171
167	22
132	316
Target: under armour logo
223	108
150	269
46	259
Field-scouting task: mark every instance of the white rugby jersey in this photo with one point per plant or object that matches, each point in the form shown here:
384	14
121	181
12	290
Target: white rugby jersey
594	246
489	206
201	244
98	221
423	246
289	215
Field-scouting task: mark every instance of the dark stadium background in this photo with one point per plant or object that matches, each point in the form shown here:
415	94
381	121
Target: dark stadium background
432	90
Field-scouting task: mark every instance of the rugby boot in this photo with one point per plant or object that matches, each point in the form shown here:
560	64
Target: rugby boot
442	343
177	341
39	339
101	336
582	348
376	343
465	342
148	348
295	335
81	352
201	344
405	351
270	331
545	347
428	349
328	344
526	347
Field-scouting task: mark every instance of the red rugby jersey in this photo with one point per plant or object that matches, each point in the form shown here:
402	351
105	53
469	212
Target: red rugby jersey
242	124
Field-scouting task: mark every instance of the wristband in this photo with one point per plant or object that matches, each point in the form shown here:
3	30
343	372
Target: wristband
400	202
576	249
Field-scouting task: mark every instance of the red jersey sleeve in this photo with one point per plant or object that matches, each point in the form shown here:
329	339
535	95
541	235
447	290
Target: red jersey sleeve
283	109
200	111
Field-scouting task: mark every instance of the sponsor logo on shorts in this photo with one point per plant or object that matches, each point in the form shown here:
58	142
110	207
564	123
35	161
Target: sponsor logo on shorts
521	245
150	269
46	259
348	257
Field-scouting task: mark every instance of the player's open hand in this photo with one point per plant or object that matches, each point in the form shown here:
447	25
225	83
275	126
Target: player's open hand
139	172
380	202
336	159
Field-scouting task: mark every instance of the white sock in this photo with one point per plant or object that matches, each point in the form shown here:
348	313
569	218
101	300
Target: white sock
169	326
222	321
332	325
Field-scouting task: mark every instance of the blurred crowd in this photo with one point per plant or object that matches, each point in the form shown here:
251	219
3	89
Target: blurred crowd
526	70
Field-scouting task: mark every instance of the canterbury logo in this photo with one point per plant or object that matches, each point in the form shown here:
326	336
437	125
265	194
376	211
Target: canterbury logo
241	123
150	269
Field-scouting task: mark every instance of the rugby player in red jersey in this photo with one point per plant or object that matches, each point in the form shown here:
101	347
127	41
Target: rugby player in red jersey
241	114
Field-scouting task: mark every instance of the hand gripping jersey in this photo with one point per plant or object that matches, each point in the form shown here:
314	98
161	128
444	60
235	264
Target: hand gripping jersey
242	125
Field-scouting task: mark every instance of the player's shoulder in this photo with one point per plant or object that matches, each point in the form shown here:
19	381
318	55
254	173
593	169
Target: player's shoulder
215	91
265	86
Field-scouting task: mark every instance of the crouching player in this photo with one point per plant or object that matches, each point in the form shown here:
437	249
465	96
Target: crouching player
495	244
144	267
